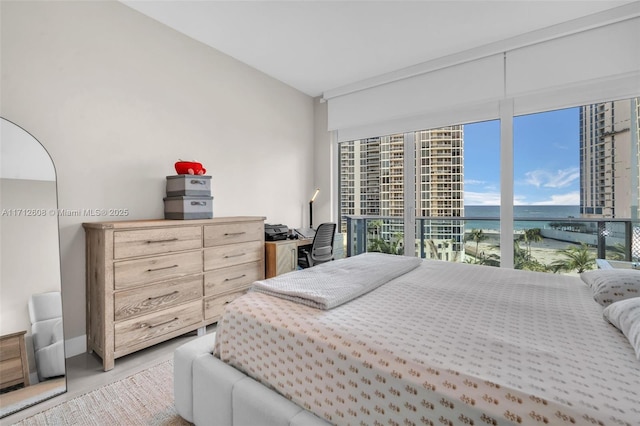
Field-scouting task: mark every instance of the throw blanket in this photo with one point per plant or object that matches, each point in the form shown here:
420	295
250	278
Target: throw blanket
331	284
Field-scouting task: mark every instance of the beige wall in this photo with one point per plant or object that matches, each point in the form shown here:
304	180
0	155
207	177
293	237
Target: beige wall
116	98
324	208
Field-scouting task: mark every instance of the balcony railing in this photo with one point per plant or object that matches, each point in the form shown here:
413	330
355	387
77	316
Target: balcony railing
539	243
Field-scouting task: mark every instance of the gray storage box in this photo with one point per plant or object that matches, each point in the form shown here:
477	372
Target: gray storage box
186	185
188	207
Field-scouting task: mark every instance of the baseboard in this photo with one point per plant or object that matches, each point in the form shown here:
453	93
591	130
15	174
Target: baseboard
75	346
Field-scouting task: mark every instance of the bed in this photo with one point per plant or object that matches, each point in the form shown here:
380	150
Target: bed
428	343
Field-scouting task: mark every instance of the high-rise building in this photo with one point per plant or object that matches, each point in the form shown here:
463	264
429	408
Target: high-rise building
360	178
440	190
372	183
609	160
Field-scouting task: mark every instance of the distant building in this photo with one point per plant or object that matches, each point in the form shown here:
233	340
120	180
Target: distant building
609	160
440	190
360	178
372	183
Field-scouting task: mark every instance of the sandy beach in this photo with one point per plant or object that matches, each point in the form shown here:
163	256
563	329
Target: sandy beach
544	251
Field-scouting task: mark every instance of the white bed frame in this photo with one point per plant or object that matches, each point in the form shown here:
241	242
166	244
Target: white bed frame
210	392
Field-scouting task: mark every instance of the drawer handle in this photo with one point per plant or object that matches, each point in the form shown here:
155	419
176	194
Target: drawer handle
145	325
231	234
228	256
198	182
198	203
161	241
235	278
160	269
164	295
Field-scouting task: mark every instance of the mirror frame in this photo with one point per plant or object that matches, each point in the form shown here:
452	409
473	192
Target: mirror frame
19	397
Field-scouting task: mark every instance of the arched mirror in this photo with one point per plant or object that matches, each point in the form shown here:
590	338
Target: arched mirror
32	361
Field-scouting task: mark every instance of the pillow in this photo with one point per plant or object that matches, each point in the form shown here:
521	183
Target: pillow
610	285
625	315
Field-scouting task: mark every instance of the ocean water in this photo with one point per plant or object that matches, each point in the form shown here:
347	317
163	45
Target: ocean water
520	212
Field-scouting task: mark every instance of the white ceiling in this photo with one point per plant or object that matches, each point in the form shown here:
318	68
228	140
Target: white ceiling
315	46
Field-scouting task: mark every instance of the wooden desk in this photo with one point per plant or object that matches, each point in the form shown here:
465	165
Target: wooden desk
282	256
304	242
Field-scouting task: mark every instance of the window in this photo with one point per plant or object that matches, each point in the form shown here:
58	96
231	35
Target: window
576	163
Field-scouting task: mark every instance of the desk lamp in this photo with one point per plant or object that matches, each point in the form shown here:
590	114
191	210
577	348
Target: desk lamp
311	207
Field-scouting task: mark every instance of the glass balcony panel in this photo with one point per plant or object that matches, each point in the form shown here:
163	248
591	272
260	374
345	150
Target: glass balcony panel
553	245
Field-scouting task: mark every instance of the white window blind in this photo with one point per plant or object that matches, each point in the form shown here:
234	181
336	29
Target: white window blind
592	66
466	89
587	61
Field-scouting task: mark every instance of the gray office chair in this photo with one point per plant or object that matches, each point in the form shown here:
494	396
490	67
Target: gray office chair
321	249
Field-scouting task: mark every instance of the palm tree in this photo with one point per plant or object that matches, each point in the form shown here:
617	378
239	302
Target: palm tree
477	235
519	254
616	252
456	253
390	247
523	260
373	227
529	236
576	258
490	260
433	249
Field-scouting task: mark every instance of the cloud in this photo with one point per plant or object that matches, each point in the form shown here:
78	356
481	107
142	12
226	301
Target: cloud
557	145
474	182
569	199
520	200
549	179
481	198
493	199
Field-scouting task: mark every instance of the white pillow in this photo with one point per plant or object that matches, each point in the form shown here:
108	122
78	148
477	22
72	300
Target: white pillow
610	285
625	315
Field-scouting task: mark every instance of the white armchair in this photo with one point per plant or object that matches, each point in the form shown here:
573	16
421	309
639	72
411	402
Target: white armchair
45	312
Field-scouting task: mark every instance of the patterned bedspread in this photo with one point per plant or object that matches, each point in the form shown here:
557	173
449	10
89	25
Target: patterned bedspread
445	344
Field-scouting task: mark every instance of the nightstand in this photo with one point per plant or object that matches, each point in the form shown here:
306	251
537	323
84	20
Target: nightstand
14	369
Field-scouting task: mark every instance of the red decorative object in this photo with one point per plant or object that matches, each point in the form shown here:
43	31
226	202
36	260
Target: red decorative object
189	168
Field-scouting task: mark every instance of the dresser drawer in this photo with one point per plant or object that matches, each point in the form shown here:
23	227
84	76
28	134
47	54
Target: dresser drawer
231	279
214	305
10	348
143	242
130	273
232	233
232	254
134	331
11	372
143	300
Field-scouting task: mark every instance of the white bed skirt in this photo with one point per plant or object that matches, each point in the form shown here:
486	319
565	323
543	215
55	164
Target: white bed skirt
210	392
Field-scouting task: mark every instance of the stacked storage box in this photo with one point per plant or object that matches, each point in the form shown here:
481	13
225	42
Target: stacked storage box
188	197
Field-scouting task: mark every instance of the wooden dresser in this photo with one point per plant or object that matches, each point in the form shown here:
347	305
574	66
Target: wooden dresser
152	280
14	369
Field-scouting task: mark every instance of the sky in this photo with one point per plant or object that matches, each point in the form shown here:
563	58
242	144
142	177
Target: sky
546	165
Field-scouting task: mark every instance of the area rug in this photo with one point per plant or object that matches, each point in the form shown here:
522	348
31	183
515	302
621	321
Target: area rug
144	398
